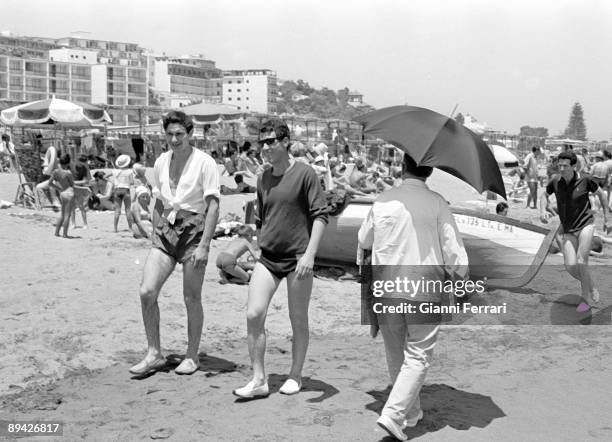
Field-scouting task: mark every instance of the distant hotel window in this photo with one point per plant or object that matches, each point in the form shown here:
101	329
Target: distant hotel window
229	90
238	98
230	82
237	90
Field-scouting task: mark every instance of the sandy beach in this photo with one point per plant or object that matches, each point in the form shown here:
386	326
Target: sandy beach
70	327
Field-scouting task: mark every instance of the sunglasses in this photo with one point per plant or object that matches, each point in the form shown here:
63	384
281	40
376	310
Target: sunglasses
269	141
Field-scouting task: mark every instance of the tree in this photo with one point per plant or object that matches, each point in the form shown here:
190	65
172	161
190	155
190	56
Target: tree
576	127
459	118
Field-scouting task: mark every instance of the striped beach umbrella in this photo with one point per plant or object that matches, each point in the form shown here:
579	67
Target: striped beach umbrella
54	111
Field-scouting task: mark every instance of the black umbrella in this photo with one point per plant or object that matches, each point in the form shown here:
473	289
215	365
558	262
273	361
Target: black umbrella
432	139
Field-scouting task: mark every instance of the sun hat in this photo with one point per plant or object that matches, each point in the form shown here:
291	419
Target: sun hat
139	167
123	161
142	190
318	158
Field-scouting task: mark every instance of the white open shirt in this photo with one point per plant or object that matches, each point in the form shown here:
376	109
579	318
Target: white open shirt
200	178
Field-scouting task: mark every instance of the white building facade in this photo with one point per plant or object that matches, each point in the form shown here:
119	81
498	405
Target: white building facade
252	90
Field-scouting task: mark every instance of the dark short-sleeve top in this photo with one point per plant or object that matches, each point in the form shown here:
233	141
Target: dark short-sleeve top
80	172
287	206
573	201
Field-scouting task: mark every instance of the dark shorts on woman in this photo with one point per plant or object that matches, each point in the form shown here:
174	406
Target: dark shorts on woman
179	240
120	193
279	266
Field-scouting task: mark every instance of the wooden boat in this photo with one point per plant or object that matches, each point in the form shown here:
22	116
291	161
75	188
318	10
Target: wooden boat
505	251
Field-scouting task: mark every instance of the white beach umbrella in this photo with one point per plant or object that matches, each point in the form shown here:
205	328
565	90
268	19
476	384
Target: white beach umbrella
503	156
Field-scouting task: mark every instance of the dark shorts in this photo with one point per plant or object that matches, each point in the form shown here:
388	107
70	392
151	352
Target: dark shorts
280	267
225	260
121	193
179	240
601	182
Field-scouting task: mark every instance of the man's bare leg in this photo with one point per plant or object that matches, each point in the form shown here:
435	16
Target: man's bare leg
299	292
574	250
585	242
157	269
193	279
262	287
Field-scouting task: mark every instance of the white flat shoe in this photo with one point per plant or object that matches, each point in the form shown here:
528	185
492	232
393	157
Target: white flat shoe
187	367
290	386
394	430
249	391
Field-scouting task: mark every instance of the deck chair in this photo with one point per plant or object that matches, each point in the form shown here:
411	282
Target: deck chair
27	196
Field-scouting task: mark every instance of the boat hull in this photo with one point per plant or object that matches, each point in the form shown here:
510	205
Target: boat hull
507	252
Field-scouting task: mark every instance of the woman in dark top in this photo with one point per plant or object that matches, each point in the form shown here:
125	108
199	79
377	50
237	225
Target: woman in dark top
291	217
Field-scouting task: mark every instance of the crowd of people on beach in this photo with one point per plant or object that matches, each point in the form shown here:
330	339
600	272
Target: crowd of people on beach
408	227
69	185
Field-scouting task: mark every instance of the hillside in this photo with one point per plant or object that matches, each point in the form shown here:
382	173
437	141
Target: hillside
301	99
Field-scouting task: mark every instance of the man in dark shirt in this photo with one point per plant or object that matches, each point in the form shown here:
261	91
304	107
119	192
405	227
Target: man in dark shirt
577	221
291	217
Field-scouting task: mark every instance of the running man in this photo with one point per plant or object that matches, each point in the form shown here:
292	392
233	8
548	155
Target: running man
186	185
577	221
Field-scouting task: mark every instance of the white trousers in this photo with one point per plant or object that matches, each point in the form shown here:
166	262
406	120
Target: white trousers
409	349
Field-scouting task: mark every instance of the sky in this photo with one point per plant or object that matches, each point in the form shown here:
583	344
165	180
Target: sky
506	63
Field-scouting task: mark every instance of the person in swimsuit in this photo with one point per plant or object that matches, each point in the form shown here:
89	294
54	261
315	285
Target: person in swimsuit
62	180
577	222
102	189
139	212
140	178
82	178
230	270
124	180
291	218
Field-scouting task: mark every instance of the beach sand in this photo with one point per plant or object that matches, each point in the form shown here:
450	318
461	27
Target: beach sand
70	327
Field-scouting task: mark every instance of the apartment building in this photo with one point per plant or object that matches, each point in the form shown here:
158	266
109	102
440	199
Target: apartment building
187	79
252	90
94	71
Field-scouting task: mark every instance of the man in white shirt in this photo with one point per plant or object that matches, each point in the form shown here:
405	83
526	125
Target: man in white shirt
186	185
410	230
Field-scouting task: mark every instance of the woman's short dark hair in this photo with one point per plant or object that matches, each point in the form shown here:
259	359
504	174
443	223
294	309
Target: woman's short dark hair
568	155
65	159
99	174
177	117
410	166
